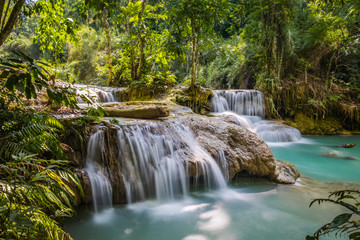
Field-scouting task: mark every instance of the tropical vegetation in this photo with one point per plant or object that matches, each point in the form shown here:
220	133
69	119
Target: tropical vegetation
303	54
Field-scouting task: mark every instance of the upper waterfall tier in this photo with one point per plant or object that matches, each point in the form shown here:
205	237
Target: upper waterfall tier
100	94
247	108
242	102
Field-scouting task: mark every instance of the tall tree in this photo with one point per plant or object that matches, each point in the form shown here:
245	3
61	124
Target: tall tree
195	20
105	8
144	58
334	29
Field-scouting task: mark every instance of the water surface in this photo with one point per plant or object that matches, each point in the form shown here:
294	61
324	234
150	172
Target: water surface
249	209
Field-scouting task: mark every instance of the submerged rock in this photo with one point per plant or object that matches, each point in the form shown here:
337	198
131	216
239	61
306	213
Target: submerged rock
347	145
335	155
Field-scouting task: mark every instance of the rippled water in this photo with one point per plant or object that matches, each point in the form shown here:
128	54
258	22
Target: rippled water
249	209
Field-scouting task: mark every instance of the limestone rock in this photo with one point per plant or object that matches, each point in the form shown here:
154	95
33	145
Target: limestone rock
286	172
143	112
244	151
85	183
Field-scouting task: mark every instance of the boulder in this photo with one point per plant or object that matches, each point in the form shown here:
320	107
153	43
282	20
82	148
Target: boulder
285	172
244	150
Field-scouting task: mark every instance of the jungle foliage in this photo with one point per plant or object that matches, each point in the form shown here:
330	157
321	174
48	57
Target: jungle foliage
303	54
37	189
215	43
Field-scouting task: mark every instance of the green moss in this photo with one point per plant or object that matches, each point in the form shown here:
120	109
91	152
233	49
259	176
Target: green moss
308	125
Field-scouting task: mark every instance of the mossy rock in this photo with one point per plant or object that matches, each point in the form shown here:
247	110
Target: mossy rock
197	98
308	125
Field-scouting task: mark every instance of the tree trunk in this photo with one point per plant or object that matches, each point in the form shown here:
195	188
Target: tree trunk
2	5
141	57
280	63
5	32
141	42
108	49
327	82
3	20
193	52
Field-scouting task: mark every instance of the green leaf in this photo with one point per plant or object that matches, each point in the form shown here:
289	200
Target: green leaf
341	219
11	82
23	56
101	111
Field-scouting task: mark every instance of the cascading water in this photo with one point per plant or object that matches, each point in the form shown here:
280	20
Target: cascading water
105	96
242	102
224	164
248	107
154	165
100	185
98	94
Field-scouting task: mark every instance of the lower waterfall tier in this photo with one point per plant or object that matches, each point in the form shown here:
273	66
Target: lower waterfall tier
166	159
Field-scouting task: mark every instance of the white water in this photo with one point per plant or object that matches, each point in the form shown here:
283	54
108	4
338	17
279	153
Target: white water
248	108
100	185
95	93
242	102
155	167
224	164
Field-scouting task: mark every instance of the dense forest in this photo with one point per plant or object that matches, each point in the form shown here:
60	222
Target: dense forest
304	55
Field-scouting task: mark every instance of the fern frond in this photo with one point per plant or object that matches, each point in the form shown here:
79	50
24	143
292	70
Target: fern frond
32	130
8	149
50	227
47	120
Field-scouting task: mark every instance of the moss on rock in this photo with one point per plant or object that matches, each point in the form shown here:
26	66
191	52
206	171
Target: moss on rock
198	98
308	125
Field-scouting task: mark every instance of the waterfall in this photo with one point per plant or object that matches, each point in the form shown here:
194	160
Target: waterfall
248	108
242	102
97	94
100	185
105	97
154	165
224	164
